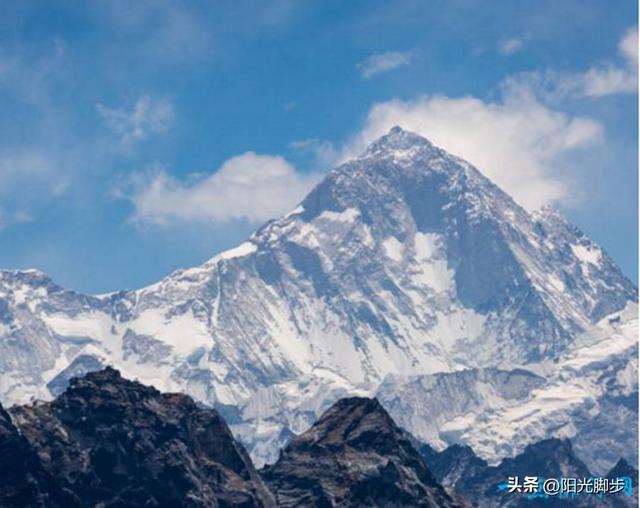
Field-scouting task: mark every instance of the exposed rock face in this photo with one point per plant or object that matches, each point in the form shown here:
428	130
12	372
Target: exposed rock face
112	442
354	456
459	469
23	482
454	465
109	442
551	458
622	469
16	485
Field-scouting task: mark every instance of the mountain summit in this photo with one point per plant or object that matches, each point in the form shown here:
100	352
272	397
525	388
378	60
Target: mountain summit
355	455
405	261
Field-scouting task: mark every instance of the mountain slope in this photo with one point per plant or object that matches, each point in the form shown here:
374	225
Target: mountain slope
459	469
588	394
353	456
107	441
404	261
23	481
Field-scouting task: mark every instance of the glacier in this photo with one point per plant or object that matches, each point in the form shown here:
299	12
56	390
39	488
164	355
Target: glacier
404	274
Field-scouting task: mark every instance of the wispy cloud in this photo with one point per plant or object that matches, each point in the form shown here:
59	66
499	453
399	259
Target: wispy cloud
160	32
8	219
383	62
28	173
249	186
323	153
603	79
146	117
510	46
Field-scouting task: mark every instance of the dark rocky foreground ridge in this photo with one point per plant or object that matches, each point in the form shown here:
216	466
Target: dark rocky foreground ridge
109	442
23	481
355	455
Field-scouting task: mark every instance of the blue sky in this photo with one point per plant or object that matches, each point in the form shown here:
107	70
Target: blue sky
138	137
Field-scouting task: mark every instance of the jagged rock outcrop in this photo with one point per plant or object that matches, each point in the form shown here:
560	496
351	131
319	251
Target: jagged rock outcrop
551	458
23	481
454	465
459	468
17	486
620	470
623	468
110	442
354	456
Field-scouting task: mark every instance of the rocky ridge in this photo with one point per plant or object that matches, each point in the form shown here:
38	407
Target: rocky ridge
354	455
458	468
107	441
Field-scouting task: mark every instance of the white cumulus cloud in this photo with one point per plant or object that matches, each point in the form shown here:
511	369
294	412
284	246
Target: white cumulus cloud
249	186
324	153
382	62
147	116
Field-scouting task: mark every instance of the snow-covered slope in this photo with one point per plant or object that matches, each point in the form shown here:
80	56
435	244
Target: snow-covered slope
404	261
589	395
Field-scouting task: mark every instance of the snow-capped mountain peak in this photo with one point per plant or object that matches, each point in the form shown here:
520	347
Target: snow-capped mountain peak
398	143
405	260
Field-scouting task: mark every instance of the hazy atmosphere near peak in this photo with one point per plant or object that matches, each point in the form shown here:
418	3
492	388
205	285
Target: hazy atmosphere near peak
141	137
